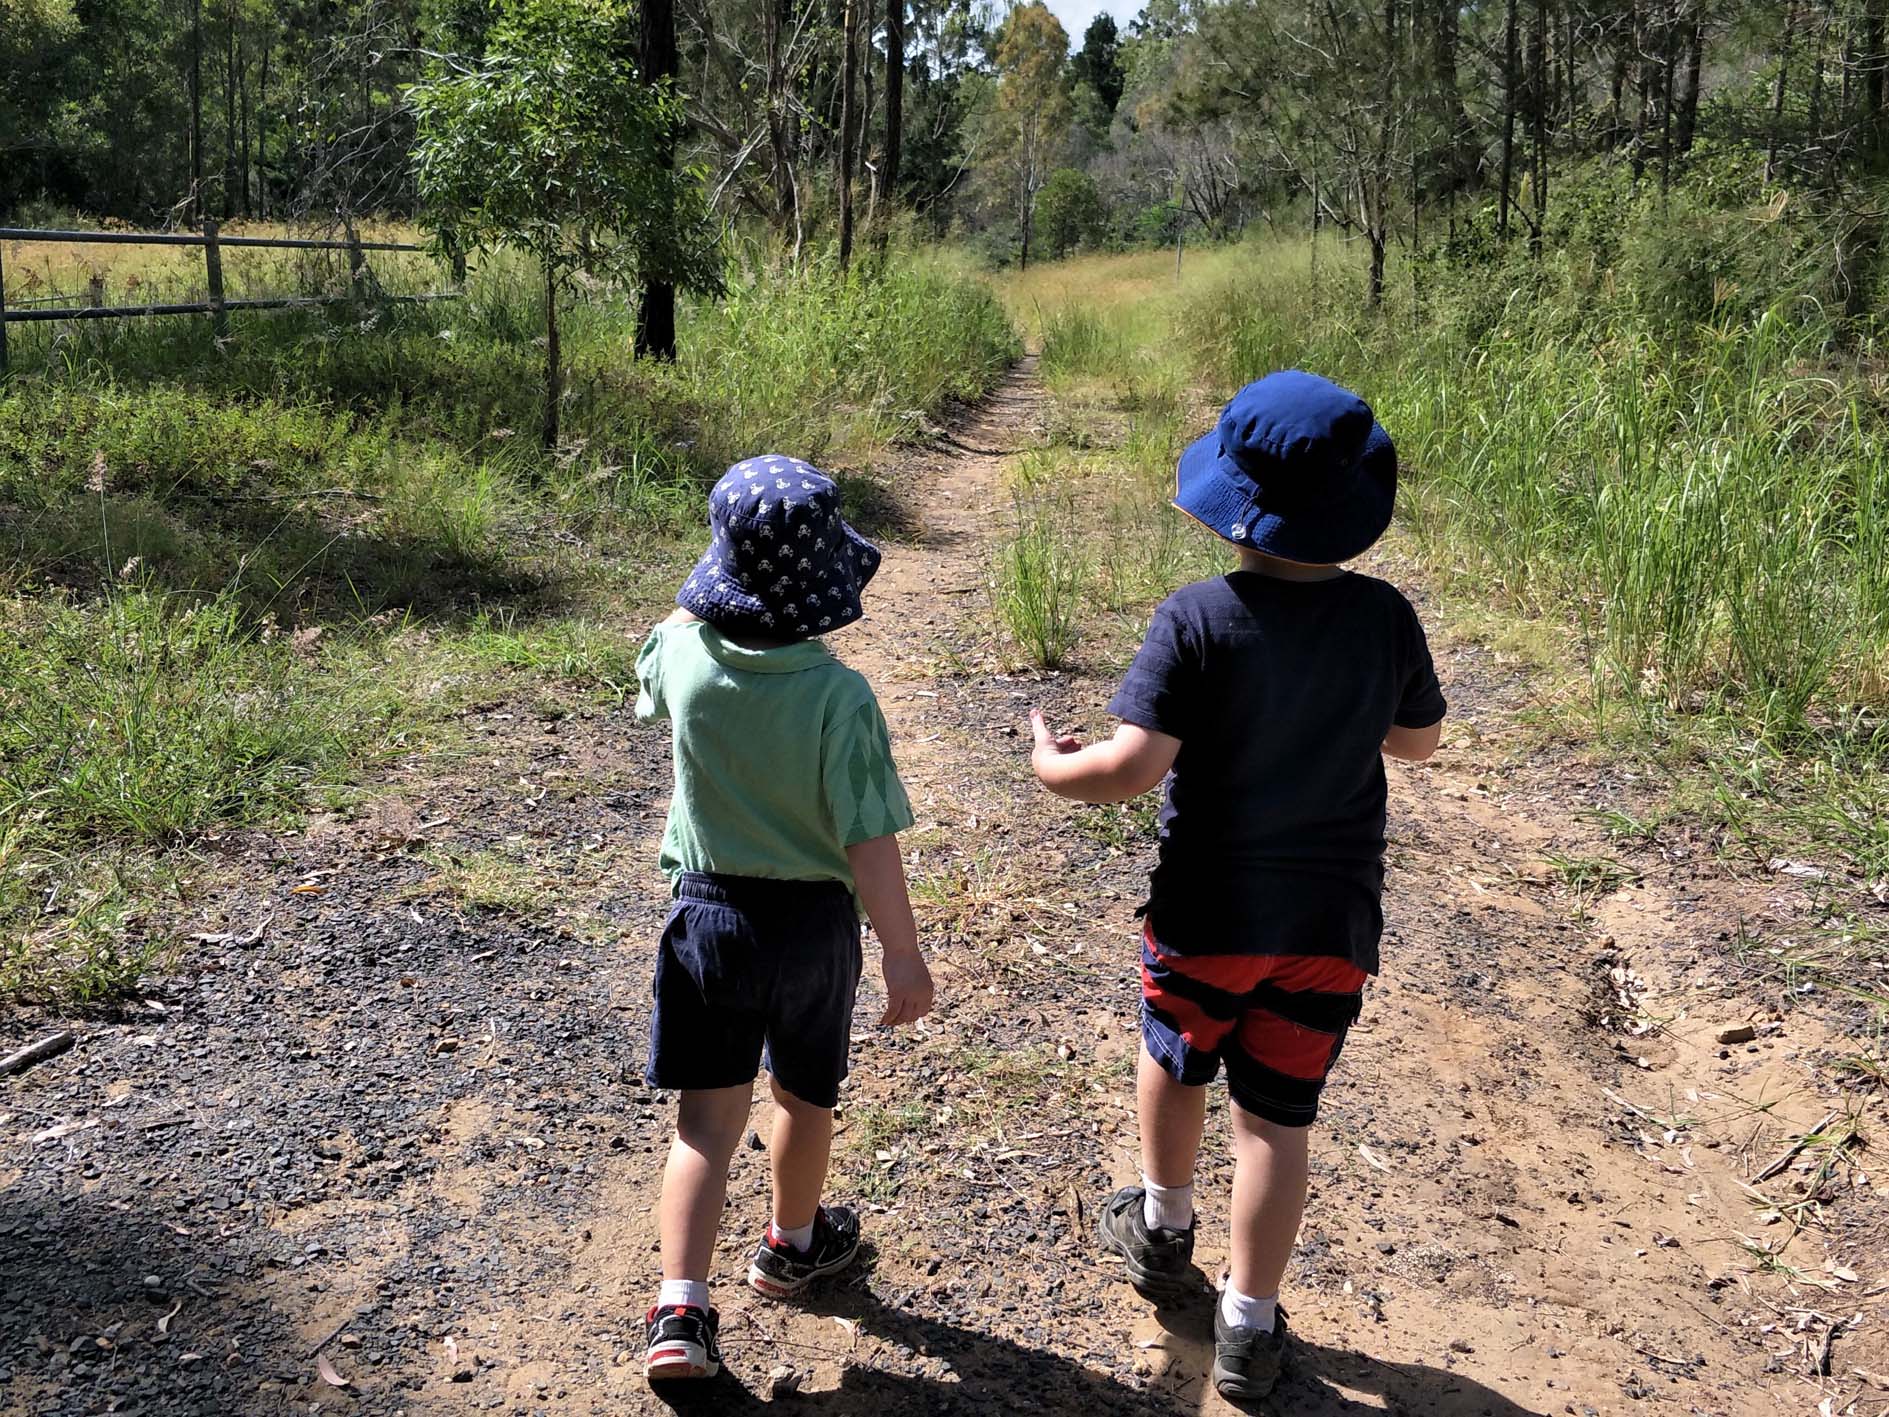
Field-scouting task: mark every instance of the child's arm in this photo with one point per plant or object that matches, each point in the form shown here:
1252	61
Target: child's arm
1413	745
1127	765
879	877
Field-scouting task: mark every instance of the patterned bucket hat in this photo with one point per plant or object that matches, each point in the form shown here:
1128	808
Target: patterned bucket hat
1296	467
781	561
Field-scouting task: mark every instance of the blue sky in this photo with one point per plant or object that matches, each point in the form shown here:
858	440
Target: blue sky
1076	14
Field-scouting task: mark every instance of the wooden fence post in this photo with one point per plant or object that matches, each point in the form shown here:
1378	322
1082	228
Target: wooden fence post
3	308
213	269
357	266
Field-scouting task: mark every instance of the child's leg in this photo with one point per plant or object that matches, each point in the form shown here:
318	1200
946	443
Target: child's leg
800	1148
1269	1182
1173	1115
709	1124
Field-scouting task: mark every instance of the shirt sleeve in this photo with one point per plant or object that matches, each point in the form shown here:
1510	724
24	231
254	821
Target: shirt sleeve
650	707
862	784
1422	702
1162	686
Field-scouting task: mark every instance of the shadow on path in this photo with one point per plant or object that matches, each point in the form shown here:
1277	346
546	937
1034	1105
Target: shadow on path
997	1375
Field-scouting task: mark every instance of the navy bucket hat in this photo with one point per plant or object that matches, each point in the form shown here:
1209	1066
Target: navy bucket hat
1297	467
781	562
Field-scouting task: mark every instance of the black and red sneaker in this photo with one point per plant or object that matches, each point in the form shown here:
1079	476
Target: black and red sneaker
684	1342
780	1271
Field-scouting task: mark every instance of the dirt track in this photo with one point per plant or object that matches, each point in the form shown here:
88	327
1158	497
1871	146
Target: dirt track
417	1138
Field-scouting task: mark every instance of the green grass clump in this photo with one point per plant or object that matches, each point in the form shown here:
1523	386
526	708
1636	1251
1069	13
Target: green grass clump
1038	582
144	718
138	722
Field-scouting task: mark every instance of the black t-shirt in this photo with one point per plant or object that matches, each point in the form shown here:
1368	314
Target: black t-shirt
1281	692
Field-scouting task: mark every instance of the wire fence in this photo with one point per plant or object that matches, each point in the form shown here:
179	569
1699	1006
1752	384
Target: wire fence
362	289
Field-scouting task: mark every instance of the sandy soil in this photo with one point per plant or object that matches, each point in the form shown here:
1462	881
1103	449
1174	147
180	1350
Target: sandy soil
409	1141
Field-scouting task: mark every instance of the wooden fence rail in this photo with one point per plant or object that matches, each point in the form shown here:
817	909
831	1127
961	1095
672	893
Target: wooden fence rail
212	242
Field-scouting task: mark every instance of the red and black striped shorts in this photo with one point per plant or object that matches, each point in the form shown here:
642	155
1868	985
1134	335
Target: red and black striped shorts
1276	1022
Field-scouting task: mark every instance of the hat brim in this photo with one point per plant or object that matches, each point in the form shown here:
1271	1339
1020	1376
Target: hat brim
1338	526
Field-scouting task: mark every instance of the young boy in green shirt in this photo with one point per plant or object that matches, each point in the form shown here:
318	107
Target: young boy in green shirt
783	824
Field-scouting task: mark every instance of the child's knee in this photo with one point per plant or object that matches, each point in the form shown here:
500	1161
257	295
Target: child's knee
711	1121
798	1106
1250	1126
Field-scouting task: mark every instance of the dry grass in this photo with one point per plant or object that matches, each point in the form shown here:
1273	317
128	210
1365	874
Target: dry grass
85	273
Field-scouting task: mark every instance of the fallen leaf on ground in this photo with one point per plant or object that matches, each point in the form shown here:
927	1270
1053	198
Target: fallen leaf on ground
328	1373
1373	1157
164	1324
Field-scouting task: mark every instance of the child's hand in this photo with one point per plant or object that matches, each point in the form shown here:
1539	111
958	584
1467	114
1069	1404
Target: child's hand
1050	744
908	989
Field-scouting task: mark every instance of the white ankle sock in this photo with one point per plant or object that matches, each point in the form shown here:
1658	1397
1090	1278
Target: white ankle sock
1244	1311
1167	1207
683	1294
800	1237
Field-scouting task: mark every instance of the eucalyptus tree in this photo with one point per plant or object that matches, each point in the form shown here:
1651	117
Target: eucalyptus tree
553	146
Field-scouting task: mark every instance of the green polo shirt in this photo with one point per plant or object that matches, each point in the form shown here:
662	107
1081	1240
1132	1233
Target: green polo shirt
782	759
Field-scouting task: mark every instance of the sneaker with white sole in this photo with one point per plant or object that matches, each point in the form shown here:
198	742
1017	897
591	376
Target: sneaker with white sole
780	1271
684	1342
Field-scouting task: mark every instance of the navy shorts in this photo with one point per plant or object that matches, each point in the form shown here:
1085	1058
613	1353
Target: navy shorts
754	973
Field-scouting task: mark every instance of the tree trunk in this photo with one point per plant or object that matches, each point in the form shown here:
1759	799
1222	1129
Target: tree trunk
1511	65
1642	71
1668	64
1453	117
656	56
1538	47
1688	122
1874	60
196	110
262	129
1376	291
1778	88
781	129
894	109
229	110
1026	197
553	360
849	119
243	105
1813	134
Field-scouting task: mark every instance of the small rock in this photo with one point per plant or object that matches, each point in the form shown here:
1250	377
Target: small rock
1461	1345
755	1143
1738	1033
350	1340
462	1375
1386	1247
782	1382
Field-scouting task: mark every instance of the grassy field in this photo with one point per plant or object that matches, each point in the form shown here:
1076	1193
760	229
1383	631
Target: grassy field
1686	518
233	576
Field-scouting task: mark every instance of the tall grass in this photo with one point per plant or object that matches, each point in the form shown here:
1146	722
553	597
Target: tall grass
207	550
1703	503
1038	581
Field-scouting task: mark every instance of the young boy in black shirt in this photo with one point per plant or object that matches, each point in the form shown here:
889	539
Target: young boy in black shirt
1271	694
